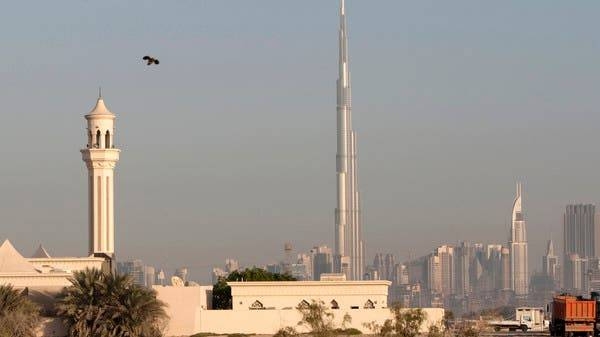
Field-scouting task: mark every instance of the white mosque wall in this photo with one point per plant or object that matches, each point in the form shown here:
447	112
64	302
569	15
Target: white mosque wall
287	295
187	316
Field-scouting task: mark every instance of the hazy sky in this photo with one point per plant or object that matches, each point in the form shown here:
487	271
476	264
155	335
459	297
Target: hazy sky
228	146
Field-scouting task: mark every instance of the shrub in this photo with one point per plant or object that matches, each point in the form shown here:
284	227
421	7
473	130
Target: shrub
288	331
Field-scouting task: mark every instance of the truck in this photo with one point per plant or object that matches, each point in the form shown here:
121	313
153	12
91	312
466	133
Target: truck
573	316
526	318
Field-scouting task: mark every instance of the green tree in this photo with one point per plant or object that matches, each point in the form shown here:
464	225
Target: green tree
448	319
435	331
222	292
404	323
318	318
221	295
19	317
107	305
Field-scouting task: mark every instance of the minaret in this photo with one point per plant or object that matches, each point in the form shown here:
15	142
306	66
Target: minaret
100	157
349	249
518	248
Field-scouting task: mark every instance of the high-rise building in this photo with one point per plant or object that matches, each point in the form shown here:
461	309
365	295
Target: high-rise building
160	277
463	259
307	261
100	157
518	248
389	262
434	273
133	268
579	244
579	230
505	284
150	276
401	274
494	266
349	247
550	264
322	261
378	265
446	258
575	267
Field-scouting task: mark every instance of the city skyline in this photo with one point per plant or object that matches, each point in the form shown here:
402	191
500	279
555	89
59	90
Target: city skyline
438	105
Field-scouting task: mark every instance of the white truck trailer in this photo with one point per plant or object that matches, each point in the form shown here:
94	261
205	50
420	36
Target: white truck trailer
526	319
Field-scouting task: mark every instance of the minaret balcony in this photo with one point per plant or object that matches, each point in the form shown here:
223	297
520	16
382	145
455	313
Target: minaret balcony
109	155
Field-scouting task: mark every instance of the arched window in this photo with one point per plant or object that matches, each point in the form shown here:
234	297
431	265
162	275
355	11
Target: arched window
369	305
256	306
98	135
90	139
303	305
107	140
334	305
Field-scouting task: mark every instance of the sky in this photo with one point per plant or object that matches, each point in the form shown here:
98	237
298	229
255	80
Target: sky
228	146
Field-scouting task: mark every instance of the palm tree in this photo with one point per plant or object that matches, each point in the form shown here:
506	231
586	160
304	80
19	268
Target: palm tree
108	305
19	317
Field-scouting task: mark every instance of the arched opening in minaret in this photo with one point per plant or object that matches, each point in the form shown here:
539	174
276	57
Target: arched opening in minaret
90	139
98	135
107	140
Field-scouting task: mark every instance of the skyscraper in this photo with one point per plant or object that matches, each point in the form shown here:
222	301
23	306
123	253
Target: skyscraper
322	261
100	157
518	248
579	230
447	270
133	268
349	247
389	262
463	259
550	264
379	266
579	244
150	276
505	284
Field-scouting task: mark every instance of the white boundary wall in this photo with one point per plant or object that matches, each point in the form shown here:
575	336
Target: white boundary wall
185	308
269	321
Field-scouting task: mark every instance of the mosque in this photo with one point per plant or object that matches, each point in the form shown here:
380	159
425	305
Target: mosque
44	275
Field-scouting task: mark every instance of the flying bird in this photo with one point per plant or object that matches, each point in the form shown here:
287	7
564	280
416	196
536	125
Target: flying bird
150	60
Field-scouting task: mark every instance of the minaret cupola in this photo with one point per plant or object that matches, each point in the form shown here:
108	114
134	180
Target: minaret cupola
101	127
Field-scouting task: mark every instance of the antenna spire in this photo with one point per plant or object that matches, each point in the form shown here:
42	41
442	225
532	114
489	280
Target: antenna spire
100	92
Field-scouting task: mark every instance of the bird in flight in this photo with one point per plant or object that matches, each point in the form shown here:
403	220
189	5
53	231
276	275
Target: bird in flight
150	60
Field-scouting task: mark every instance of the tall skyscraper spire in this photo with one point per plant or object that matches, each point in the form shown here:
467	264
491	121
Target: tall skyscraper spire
349	247
518	248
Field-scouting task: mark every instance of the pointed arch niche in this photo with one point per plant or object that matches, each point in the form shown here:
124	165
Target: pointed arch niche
257	305
303	305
